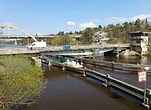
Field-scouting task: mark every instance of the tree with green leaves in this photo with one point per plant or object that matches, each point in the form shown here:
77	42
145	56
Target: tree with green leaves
87	37
61	33
21	82
138	24
100	26
64	40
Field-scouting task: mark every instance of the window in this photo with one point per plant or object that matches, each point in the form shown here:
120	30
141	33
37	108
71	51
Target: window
138	41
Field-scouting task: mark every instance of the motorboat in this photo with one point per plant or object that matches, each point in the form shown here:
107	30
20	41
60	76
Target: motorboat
74	63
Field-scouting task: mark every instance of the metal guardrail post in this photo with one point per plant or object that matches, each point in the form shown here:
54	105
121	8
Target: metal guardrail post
107	80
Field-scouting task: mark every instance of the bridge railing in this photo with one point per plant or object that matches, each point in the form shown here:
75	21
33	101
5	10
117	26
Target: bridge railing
93	46
17	50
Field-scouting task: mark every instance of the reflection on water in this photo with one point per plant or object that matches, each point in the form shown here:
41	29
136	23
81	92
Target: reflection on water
67	92
12	46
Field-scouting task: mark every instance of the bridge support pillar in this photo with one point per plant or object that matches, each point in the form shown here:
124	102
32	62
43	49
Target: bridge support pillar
15	41
37	61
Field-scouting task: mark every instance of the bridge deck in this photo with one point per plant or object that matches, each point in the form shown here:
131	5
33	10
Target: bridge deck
9	51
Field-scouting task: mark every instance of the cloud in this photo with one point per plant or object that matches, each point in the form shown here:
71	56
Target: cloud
141	16
71	23
116	19
88	24
121	19
8	24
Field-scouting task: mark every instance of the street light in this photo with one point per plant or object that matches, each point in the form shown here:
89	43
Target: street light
145	88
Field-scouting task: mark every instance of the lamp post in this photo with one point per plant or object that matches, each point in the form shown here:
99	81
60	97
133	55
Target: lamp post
142	77
145	98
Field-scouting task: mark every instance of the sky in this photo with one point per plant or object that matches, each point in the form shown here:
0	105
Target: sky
51	16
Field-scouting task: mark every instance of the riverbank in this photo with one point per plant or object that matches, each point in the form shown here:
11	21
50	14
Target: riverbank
21	82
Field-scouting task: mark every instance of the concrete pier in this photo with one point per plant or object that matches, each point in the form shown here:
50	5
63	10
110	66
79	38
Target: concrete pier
37	60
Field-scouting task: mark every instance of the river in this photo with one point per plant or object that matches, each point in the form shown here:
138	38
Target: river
66	90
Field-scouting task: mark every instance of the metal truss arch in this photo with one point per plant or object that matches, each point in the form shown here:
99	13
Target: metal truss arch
19	29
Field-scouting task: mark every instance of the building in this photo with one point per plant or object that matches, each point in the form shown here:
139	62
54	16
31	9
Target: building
139	41
100	37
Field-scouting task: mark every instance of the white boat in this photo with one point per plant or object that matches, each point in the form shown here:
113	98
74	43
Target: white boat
74	63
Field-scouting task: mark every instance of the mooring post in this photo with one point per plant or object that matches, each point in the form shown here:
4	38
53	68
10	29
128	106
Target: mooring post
50	63
107	81
94	53
112	66
63	68
84	72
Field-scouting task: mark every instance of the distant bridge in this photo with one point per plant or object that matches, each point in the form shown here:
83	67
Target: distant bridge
18	29
40	37
27	35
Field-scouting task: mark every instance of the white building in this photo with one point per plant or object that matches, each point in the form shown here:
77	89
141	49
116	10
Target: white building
139	41
101	37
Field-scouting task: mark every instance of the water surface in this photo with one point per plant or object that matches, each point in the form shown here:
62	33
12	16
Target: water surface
68	91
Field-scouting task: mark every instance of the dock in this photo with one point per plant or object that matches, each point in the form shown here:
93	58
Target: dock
115	65
107	80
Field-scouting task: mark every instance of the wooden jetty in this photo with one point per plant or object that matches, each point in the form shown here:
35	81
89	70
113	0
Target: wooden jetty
107	81
115	65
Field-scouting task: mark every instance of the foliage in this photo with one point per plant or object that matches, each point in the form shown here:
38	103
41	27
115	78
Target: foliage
64	41
100	27
16	64
122	30
21	81
25	41
114	40
87	37
149	37
149	52
61	33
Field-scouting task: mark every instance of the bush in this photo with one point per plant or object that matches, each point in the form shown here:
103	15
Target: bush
20	81
64	41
